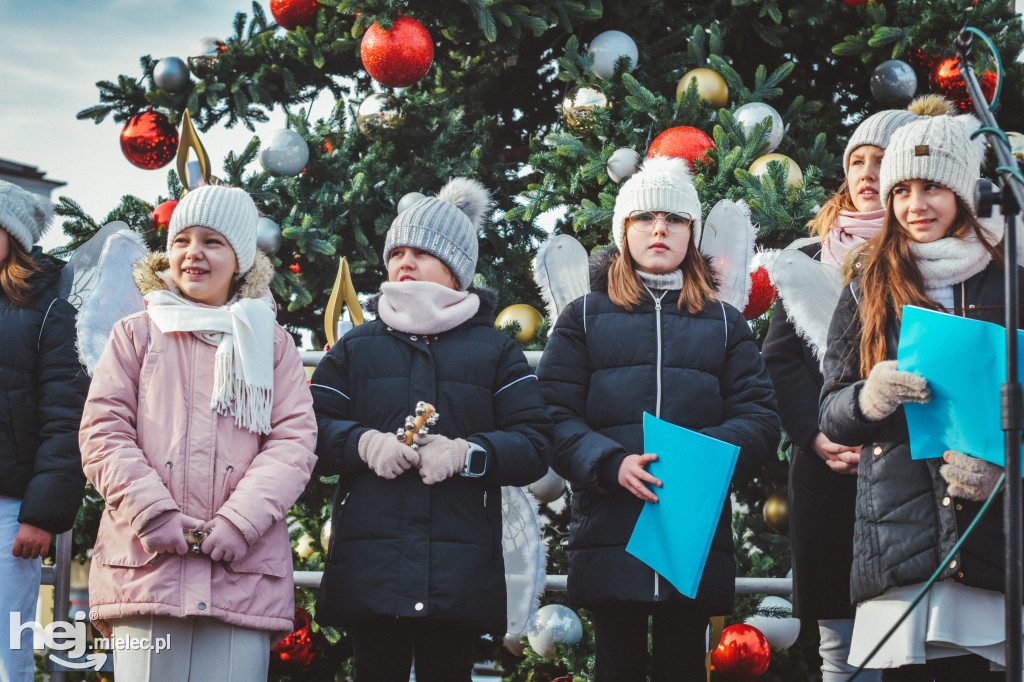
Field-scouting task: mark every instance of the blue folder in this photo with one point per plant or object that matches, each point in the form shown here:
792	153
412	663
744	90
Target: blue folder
673	535
964	362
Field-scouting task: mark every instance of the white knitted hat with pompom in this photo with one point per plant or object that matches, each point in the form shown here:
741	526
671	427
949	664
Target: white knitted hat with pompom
663	183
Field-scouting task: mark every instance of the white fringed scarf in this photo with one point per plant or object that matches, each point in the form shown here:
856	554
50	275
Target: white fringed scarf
243	370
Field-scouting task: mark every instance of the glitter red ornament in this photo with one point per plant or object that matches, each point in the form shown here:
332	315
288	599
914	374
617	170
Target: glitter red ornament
945	79
161	215
291	14
683	142
295	267
743	655
148	140
294	653
399	57
762	294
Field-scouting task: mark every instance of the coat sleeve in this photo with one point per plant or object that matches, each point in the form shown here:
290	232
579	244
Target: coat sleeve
279	473
797	386
840	417
111	456
751	414
337	443
580	453
54	492
519	448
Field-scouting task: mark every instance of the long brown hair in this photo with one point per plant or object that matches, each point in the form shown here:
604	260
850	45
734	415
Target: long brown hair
626	290
891	279
821	223
15	272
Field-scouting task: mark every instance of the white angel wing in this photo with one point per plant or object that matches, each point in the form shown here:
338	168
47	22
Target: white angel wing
525	557
562	272
103	284
810	291
728	240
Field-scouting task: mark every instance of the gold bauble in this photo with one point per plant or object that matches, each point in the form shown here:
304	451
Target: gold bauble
1016	144
794	176
325	535
580	107
528	317
711	87
378	114
304	546
776	513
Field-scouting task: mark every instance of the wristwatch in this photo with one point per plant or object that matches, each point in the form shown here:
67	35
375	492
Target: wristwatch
476	461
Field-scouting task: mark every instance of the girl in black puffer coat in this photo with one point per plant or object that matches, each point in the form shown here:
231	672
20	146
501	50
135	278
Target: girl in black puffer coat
42	391
415	565
932	252
650	337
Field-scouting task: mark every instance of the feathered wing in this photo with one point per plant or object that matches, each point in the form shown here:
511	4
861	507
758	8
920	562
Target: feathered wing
728	240
810	292
561	272
103	286
470	196
525	556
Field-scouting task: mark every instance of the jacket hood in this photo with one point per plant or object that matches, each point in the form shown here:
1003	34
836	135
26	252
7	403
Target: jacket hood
488	302
153	273
49	272
600	261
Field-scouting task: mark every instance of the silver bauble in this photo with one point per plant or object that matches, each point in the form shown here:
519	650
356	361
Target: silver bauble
203	54
268	236
749	115
325	535
622	163
512	643
550	624
893	82
606	49
378	114
284	152
171	74
780	630
549	488
409	199
580	106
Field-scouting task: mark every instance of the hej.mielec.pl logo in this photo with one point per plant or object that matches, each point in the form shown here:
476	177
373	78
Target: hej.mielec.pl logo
72	640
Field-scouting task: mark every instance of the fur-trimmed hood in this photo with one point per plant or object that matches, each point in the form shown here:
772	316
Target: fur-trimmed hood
153	273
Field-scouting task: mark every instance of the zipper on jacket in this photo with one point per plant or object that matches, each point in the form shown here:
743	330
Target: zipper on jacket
657	400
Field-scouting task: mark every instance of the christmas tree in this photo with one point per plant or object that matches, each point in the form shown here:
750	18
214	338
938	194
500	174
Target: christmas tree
550	103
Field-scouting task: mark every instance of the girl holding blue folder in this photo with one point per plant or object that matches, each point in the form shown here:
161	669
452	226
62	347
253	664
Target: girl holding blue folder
932	252
650	337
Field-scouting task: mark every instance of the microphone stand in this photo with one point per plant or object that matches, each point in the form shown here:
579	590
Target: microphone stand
1010	198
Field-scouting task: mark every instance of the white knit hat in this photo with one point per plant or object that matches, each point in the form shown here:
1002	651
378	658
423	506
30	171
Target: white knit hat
663	183
938	148
876	130
25	216
228	210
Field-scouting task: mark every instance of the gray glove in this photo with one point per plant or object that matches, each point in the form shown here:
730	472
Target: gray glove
387	456
969	477
440	457
887	388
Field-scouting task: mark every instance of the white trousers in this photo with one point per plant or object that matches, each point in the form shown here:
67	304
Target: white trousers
195	650
19	591
836	636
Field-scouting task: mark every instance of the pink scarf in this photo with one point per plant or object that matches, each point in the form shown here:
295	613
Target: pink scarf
424	307
850	230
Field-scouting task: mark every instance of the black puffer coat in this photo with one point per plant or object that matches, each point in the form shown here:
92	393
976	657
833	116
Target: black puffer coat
906	523
821	501
42	391
602	369
401	548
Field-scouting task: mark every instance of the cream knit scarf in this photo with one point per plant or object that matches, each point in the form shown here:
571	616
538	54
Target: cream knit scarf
948	261
425	307
243	369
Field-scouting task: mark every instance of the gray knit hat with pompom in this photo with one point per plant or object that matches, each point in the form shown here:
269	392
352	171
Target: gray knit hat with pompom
24	215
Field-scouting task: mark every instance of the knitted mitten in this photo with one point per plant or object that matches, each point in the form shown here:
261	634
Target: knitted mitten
440	457
969	477
387	456
887	388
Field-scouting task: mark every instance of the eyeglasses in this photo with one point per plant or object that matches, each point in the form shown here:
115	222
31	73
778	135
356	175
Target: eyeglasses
643	221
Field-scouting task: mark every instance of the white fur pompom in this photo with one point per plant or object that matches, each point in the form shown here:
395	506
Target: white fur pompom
470	196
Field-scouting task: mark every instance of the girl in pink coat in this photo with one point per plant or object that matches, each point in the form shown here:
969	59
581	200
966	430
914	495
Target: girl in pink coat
198	423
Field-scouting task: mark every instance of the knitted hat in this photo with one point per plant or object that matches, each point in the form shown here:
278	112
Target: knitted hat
877	129
25	216
663	183
938	149
444	226
227	210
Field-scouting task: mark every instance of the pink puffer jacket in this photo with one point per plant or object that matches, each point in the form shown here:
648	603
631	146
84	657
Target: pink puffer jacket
151	443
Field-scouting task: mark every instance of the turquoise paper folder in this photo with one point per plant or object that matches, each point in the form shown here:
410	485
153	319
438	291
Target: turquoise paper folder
673	535
964	362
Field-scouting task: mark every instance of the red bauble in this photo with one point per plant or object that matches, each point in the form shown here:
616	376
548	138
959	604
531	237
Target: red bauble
294	13
295	267
854	3
762	294
945	79
743	655
683	142
922	63
149	140
565	678
398	57
161	215
294	653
